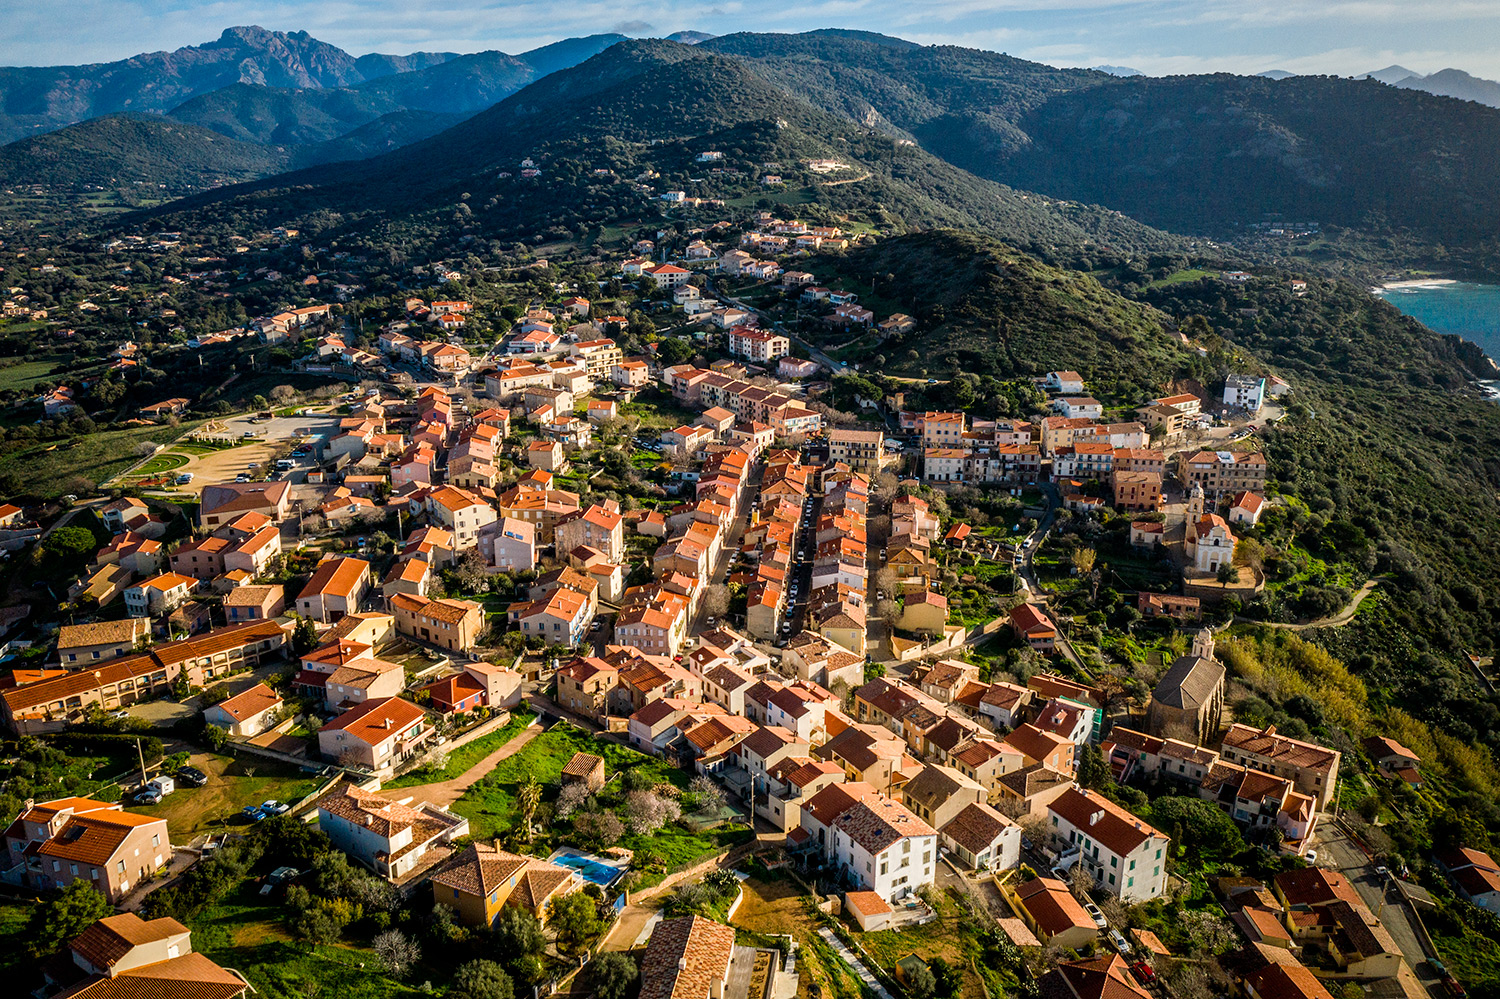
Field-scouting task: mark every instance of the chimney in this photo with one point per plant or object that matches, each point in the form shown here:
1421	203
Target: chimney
682	963
1096	816
1270	730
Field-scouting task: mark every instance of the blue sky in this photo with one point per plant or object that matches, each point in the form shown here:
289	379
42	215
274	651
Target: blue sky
1157	36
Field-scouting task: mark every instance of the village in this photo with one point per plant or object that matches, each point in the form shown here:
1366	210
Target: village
683	597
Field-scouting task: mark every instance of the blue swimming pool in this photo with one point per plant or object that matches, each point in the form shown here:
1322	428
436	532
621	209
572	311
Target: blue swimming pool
588	868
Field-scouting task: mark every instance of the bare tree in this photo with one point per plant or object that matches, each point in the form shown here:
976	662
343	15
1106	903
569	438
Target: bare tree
716	600
570	799
396	952
283	394
646	812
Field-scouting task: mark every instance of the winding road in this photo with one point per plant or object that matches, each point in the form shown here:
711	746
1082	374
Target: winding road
1343	617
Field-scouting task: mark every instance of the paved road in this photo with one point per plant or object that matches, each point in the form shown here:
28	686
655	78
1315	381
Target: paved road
1339	852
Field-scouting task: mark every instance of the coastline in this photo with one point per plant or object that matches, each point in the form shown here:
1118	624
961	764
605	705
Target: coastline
1415	283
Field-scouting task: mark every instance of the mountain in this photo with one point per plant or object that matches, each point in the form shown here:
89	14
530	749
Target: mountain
1276	74
649	106
1202	154
1455	83
689	37
37	99
135	153
1391	74
275	115
1118	70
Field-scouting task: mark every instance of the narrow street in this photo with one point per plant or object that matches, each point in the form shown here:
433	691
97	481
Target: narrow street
1338	852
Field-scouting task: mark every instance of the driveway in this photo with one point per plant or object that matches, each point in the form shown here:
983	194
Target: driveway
445	793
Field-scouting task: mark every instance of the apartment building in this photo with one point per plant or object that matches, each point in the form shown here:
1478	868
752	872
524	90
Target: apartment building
1124	855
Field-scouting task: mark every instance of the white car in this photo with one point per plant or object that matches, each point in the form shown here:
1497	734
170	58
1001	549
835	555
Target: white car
1311	856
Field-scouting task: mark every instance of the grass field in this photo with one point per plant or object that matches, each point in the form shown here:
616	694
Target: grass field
162	463
232	784
1181	277
49	468
25	374
465	756
14	964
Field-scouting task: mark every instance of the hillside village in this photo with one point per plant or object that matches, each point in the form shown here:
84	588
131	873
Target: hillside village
744	624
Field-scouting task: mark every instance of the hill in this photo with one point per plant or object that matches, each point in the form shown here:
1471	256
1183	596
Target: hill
1453	83
984	308
260	114
48	97
649	106
1189	153
126	151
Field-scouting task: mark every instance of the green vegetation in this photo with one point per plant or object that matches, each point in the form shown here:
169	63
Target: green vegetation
470	753
77	464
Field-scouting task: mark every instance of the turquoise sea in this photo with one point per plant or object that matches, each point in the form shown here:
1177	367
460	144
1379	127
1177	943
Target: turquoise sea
1470	310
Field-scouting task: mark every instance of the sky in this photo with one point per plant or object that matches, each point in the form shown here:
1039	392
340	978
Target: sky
1342	37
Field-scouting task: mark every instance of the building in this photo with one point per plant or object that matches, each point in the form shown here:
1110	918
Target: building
158	595
80	645
388	838
254	603
1246	392
483	879
758	345
861	450
509	544
452	624
687	958
1188	701
247	713
1137	491
983	838
1123	854
1049	909
882	846
1222	473
52	844
1311	768
224	502
586	769
337	588
375	734
126	957
1033	627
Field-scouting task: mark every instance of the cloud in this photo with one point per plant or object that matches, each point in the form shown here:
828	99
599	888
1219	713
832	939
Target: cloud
632	27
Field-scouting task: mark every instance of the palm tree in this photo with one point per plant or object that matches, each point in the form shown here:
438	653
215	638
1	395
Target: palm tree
530	796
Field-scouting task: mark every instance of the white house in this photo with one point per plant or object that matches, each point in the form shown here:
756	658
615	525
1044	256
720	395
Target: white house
1245	392
883	846
388	838
1124	855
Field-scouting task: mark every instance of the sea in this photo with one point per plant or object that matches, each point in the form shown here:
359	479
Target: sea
1470	310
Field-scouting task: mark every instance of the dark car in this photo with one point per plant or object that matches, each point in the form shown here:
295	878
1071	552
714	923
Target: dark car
191	776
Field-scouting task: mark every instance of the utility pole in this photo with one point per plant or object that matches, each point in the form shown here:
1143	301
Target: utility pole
141	753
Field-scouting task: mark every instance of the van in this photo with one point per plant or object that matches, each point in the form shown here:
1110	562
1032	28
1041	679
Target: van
184	478
164	785
283	464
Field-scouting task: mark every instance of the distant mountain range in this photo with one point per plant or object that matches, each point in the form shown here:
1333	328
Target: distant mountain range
1119	71
1444	83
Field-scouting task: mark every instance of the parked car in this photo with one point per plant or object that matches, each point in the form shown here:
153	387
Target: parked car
252	813
274	807
191	776
146	796
1143	972
1096	914
1311	856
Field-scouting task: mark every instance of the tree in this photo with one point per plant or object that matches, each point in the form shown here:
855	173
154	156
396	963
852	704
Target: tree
570	799
283	394
1228	573
716	601
518	935
305	636
471	572
646	812
396	952
613	974
481	980
56	921
575	920
1210	932
67	547
921	983
529	796
1082	559
1093	772
707	793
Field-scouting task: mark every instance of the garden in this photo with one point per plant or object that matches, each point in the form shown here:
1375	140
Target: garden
647	806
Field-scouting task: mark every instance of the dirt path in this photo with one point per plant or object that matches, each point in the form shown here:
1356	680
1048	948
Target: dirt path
446	792
1343	617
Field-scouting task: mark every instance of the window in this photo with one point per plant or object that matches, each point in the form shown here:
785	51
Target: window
1114	861
120	866
156	839
1111	879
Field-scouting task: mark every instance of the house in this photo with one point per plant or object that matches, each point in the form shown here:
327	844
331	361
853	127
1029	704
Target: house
1222	473
1311	768
80	645
1123	854
1246	392
882	846
219	504
1079	407
1393	759
982	838
254	603
449	623
869	910
598	527
1246	508
481	880
1096	978
508	544
1475	874
126	957
247	713
1049	909
558	618
1063	382
375	734
937	794
1029	790
687	958
52	844
861	450
158	595
546	455
1033	627
388	838
480	684
924	612
338	587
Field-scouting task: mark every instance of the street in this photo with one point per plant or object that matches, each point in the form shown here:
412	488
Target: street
1338	852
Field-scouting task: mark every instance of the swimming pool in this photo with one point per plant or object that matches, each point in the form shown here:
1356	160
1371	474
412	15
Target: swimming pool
588	868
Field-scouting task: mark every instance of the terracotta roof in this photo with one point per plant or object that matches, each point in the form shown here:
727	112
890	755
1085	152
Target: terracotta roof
1287	981
1104	821
338	576
877	822
686	958
1053	906
1286	751
582	765
94	837
249	703
1099	978
976	827
112	937
126	631
376	720
1314	886
866	903
191	976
